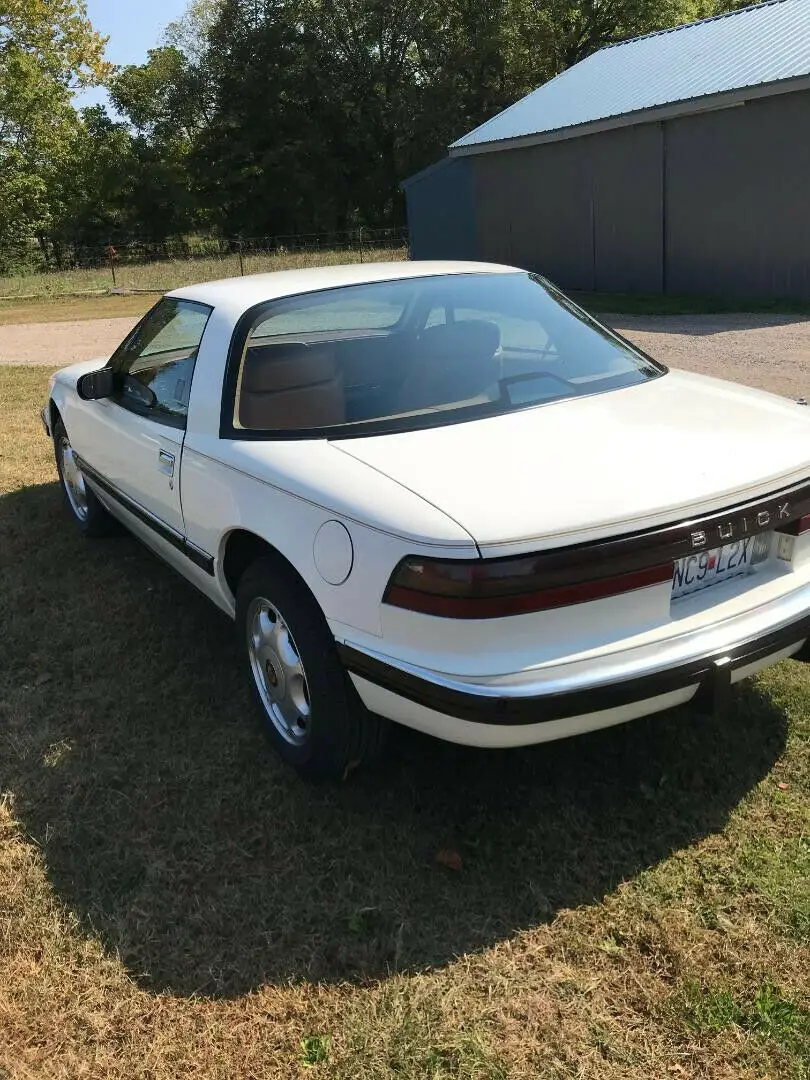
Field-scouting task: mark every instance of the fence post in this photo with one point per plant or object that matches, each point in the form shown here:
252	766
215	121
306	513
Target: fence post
360	239
111	261
241	262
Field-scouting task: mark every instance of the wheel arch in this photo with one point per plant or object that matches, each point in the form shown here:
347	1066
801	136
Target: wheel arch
241	547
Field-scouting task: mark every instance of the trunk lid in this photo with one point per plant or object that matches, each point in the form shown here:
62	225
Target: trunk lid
589	467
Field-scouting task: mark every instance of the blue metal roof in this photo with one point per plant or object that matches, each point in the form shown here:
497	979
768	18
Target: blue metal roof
747	48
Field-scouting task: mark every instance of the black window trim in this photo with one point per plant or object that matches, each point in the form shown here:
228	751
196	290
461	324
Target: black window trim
385	425
178	423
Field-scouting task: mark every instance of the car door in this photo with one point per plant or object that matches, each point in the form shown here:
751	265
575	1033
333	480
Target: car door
132	440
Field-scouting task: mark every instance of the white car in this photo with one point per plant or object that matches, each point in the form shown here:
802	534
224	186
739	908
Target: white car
442	494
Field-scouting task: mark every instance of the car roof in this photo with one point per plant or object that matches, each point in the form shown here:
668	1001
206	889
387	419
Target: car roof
244	292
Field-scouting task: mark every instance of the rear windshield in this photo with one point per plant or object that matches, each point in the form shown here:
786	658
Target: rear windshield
412	353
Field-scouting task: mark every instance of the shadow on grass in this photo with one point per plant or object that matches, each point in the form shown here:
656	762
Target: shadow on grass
176	837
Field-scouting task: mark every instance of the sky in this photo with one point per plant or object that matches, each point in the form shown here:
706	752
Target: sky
133	27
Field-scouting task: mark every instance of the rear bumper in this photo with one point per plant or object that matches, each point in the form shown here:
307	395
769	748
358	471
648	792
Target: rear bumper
615	691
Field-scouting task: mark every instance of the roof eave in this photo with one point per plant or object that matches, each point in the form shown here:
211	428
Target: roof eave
689	107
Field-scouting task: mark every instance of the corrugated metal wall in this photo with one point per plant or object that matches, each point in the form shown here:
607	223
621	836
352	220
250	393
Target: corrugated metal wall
738	200
733	187
585	212
442	212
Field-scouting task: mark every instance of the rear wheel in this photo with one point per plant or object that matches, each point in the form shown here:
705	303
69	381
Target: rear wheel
312	714
88	513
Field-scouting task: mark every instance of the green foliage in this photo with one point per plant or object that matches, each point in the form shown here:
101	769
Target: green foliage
314	1050
47	49
268	117
770	1016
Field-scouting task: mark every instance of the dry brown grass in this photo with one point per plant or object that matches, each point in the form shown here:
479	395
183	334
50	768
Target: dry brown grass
172	273
174	903
71	309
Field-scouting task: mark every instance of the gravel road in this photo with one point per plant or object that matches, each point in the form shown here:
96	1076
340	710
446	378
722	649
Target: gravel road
60	343
771	352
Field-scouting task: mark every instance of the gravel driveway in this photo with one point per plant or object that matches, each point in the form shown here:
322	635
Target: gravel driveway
60	343
771	352
768	351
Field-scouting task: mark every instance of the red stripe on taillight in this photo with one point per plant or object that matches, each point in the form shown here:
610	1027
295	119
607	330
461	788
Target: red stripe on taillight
521	603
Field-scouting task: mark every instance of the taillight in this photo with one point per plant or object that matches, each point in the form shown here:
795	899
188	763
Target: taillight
797	527
492	588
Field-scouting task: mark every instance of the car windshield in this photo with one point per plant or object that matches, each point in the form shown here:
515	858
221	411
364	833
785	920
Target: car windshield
416	352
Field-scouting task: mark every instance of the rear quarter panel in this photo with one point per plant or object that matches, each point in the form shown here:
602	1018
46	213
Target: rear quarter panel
284	492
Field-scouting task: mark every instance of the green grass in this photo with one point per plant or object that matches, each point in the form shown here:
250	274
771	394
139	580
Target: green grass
659	304
173	273
175	903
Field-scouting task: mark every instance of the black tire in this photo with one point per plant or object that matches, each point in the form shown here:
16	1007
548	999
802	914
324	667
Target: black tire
95	520
338	735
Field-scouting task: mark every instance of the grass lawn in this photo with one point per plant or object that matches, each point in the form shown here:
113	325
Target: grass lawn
174	903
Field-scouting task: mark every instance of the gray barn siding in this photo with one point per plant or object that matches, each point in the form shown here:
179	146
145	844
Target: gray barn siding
738	200
586	212
628	210
531	206
733	186
441	211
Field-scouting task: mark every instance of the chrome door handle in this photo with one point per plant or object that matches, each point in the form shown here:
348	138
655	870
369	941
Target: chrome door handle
166	462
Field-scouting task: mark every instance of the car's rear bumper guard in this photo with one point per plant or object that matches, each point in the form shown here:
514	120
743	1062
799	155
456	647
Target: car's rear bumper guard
712	673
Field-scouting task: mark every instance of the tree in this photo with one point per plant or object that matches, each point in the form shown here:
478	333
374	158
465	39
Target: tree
47	49
265	163
189	34
164	99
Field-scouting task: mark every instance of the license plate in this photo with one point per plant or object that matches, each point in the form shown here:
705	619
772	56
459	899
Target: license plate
695	572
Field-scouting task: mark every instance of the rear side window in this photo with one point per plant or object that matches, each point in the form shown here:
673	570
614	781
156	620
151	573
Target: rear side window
413	353
351	310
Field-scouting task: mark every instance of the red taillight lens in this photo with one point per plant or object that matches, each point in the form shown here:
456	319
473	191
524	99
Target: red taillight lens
797	527
491	589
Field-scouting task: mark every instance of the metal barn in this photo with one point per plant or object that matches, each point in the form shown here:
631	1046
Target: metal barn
678	162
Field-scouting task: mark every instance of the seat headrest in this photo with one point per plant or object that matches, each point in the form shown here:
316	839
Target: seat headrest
470	339
286	366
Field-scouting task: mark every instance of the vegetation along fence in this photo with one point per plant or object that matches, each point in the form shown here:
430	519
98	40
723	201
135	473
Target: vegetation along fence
138	265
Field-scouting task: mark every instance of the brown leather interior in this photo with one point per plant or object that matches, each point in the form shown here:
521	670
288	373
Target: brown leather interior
291	385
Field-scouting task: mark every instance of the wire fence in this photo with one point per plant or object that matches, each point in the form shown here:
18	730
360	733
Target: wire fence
139	265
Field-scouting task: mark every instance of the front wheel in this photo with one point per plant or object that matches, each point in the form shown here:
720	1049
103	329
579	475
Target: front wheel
90	516
312	714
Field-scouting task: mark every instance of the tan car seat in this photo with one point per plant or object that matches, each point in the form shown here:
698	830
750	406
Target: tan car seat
290	385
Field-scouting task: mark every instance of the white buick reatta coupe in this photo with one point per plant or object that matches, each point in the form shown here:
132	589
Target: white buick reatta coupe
444	495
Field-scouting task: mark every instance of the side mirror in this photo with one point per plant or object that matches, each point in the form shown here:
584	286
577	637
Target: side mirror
95	385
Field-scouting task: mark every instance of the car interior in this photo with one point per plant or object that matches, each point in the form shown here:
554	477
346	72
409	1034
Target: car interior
299	384
441	353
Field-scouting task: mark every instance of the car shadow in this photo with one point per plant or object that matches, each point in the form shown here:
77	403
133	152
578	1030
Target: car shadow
178	840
